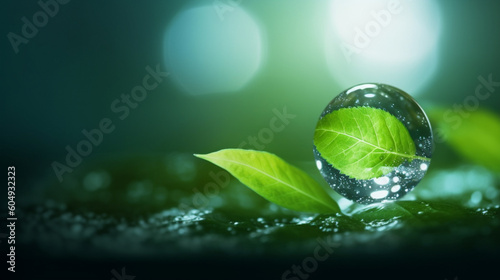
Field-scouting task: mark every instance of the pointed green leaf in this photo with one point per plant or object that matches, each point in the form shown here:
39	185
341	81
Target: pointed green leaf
364	142
274	179
408	210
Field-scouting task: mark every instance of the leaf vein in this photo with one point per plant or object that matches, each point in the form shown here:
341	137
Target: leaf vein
276	179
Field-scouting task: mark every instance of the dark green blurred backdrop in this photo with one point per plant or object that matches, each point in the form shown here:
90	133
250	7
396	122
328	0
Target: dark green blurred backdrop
91	52
232	65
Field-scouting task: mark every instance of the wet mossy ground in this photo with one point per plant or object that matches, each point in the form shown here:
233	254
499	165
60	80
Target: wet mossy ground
147	214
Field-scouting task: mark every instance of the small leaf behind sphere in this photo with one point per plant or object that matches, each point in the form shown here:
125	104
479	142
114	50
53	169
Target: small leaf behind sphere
476	137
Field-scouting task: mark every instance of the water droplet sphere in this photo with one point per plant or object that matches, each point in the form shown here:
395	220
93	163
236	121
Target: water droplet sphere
373	143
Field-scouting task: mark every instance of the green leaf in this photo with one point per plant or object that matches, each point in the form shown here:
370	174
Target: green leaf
274	179
476	137
364	142
414	214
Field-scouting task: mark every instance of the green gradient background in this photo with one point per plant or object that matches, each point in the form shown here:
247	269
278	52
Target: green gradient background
66	77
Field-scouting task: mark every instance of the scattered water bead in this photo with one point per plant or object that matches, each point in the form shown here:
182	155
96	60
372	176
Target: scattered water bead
373	143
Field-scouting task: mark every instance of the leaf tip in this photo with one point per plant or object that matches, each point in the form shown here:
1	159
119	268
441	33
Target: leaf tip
200	156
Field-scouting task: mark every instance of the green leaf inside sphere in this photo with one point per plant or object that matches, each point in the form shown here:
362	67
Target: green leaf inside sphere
364	142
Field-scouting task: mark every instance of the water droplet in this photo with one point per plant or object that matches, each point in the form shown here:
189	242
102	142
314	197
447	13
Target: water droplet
409	173
382	180
319	165
476	198
396	188
423	166
379	194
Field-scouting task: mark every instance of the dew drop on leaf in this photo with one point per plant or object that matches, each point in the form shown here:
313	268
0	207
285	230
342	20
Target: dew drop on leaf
376	164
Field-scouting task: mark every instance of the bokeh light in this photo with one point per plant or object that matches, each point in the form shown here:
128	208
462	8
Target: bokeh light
393	42
210	53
